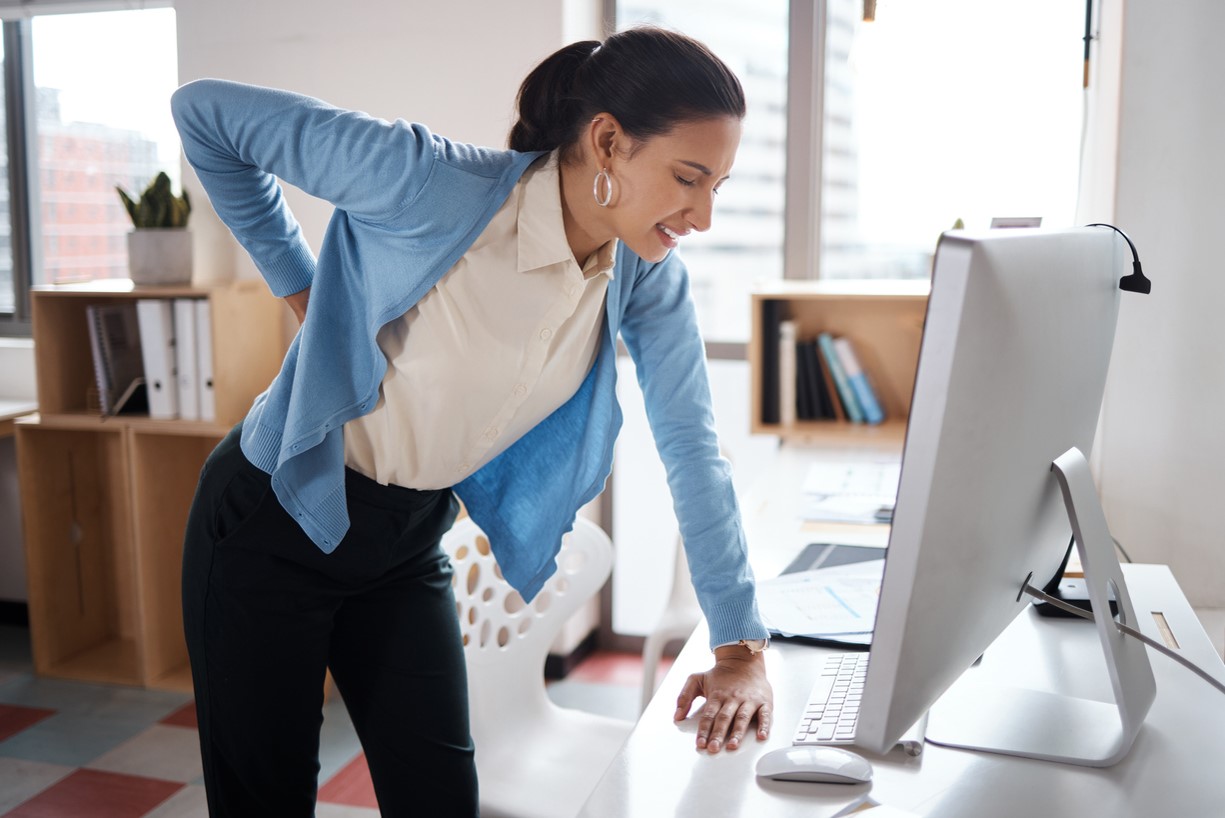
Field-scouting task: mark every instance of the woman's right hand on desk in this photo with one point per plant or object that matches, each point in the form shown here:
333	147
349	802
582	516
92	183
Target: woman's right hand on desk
736	691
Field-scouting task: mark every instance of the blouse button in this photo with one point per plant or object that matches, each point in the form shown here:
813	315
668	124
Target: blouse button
520	389
546	334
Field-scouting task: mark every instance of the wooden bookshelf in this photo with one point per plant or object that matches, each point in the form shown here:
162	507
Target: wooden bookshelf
884	322
105	499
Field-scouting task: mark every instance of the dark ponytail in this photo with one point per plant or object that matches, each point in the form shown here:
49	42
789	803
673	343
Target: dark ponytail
651	79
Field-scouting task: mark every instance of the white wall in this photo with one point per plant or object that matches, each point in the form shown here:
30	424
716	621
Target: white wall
455	66
1162	458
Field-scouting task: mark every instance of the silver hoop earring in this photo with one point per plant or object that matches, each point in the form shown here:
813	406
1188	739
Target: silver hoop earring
604	200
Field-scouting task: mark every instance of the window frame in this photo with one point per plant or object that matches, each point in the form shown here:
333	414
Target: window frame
22	152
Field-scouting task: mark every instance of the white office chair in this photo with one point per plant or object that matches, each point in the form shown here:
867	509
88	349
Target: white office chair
534	759
680	616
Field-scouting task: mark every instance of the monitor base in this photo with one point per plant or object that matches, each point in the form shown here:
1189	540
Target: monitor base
1049	726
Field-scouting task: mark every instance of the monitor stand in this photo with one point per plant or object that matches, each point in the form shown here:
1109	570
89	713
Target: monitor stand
1049	726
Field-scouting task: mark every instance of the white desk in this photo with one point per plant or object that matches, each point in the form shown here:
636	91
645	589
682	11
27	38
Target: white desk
1175	767
10	410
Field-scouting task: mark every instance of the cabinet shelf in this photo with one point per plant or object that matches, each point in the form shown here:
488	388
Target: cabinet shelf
92	421
883	321
105	499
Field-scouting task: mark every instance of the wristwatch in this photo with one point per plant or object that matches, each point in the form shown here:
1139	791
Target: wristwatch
755	646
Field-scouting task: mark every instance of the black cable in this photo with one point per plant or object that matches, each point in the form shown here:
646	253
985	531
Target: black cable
1136	282
1122	550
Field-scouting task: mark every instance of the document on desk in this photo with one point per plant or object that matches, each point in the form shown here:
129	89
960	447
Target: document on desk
840	509
836	603
851	491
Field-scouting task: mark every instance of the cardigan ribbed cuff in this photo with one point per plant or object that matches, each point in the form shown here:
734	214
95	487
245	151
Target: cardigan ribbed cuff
290	272
737	619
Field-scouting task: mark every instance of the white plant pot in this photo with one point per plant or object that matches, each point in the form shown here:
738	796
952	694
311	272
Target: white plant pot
160	255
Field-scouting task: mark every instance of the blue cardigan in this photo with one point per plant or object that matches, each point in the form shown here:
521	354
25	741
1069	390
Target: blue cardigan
408	204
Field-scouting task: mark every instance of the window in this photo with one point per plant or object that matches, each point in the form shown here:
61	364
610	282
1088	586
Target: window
939	111
933	112
745	244
94	114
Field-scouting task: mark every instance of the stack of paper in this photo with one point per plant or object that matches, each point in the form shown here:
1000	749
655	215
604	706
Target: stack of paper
837	603
851	491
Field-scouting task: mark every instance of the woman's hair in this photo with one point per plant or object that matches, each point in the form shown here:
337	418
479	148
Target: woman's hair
651	79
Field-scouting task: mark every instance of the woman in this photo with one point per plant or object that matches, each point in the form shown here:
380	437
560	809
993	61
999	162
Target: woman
458	340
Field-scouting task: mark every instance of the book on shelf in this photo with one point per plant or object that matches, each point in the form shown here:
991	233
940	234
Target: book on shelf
204	360
804	409
114	338
177	352
156	317
821	387
771	317
186	360
842	385
788	374
865	395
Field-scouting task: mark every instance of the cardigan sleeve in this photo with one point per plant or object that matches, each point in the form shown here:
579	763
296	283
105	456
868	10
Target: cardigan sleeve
660	330
240	139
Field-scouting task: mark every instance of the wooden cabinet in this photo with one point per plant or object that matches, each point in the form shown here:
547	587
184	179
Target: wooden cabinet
884	322
105	500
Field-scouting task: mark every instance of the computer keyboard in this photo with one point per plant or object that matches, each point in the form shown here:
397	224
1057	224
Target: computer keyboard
831	715
832	712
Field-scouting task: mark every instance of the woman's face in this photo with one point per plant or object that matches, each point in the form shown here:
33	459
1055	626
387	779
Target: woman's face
666	188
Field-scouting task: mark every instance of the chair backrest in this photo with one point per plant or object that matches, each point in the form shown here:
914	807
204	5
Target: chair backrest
506	640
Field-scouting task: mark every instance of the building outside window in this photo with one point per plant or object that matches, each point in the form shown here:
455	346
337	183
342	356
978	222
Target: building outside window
96	89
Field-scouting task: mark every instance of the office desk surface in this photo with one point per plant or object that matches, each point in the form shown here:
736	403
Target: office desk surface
10	410
1174	767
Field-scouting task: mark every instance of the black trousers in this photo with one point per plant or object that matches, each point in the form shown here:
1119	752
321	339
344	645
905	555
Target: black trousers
266	612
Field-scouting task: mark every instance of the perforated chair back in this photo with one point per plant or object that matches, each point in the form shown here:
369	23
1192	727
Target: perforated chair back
534	759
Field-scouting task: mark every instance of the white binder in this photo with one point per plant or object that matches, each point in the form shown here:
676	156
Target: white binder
204	360
185	358
156	319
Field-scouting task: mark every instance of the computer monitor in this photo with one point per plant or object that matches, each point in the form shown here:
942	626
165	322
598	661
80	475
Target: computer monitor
1011	373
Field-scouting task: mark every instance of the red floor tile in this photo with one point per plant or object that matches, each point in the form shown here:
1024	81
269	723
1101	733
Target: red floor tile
99	795
351	786
185	716
14	718
606	667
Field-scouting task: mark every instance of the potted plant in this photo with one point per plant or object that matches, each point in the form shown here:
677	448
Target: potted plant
159	246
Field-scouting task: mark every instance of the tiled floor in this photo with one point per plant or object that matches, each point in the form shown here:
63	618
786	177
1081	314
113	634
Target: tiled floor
69	749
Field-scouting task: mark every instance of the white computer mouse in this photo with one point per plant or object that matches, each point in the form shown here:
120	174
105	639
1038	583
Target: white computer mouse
831	765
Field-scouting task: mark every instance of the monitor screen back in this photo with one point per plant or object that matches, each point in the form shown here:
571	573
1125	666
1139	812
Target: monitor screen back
1012	368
